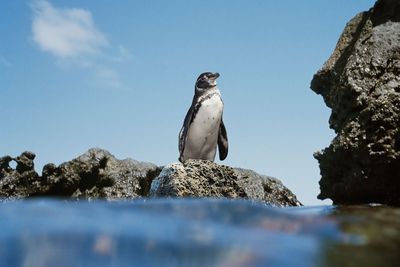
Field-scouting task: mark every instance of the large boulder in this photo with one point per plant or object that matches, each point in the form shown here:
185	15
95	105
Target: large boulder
200	178
95	174
360	82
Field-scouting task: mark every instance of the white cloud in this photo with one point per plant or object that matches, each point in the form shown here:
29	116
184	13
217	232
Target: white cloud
71	36
65	32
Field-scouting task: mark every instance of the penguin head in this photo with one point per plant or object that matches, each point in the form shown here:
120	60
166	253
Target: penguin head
206	81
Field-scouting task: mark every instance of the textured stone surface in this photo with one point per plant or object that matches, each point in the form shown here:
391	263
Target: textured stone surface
21	181
199	178
98	174
360	82
95	174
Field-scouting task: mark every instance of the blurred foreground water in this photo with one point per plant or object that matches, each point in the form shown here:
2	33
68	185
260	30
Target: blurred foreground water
195	232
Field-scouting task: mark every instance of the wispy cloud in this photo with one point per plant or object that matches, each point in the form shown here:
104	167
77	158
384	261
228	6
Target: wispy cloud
5	62
123	54
71	36
107	77
65	32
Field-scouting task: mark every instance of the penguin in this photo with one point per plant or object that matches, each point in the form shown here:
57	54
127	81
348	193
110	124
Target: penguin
203	128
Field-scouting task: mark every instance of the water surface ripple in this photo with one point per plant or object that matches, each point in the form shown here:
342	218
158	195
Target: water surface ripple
195	232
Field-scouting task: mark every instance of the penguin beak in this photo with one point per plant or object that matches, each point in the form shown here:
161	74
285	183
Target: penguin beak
215	75
213	78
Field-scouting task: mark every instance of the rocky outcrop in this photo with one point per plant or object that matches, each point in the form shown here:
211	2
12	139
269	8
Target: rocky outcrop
19	182
200	178
95	174
98	174
360	82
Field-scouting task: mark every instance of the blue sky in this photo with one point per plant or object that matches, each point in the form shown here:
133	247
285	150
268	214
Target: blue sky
120	75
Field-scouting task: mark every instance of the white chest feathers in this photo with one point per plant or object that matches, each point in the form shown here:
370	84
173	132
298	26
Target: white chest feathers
202	136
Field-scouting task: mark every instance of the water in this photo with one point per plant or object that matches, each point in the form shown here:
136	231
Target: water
195	232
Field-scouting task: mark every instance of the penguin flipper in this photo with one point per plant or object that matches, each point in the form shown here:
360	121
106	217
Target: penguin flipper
222	142
184	131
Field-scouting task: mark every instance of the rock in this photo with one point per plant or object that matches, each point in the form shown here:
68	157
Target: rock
200	178
21	181
266	188
25	162
98	174
95	174
360	82
5	165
